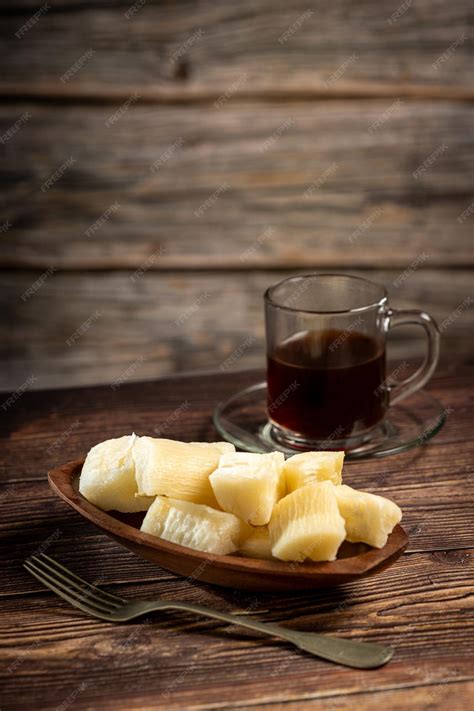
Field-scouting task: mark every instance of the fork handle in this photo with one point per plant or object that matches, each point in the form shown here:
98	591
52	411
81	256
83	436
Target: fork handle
360	655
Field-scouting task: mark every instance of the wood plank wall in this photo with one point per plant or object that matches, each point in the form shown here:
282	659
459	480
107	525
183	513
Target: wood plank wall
163	163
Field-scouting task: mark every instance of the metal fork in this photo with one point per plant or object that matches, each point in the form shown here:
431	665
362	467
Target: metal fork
99	603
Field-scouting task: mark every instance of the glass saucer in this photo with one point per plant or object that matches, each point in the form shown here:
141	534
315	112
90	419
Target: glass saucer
242	420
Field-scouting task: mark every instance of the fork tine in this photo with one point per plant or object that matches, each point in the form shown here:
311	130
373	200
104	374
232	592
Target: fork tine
86	592
77	582
86	599
75	602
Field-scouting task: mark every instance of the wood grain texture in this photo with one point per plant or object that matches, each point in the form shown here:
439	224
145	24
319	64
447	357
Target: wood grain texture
55	655
187	50
286	186
130	328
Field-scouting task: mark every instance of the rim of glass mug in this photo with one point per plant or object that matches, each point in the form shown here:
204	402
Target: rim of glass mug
382	300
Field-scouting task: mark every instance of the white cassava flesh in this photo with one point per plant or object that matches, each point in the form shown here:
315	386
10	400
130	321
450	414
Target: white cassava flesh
257	544
249	485
311	467
223	447
307	524
180	470
193	525
369	518
108	476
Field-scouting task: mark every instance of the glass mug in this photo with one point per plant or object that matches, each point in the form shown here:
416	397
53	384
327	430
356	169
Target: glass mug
326	367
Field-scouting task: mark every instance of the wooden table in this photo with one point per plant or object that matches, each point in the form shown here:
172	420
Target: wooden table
55	657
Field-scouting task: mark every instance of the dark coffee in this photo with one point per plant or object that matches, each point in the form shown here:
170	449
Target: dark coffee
327	385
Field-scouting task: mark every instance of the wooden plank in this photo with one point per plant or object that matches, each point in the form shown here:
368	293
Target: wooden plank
411	698
247	186
105	326
189	50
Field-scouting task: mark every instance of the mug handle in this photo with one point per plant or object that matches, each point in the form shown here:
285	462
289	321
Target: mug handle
400	390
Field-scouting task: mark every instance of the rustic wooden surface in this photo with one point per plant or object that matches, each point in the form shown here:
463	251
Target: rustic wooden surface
171	322
303	126
143	53
271	213
54	657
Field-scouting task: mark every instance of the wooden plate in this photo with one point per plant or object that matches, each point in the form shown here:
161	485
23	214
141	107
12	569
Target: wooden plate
355	560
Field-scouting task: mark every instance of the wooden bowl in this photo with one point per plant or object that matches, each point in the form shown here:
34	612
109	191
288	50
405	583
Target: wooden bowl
355	560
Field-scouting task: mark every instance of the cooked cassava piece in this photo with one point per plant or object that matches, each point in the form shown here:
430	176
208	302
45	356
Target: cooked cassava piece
193	525
311	467
369	518
249	485
257	544
307	524
308	510
108	476
223	447
179	470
